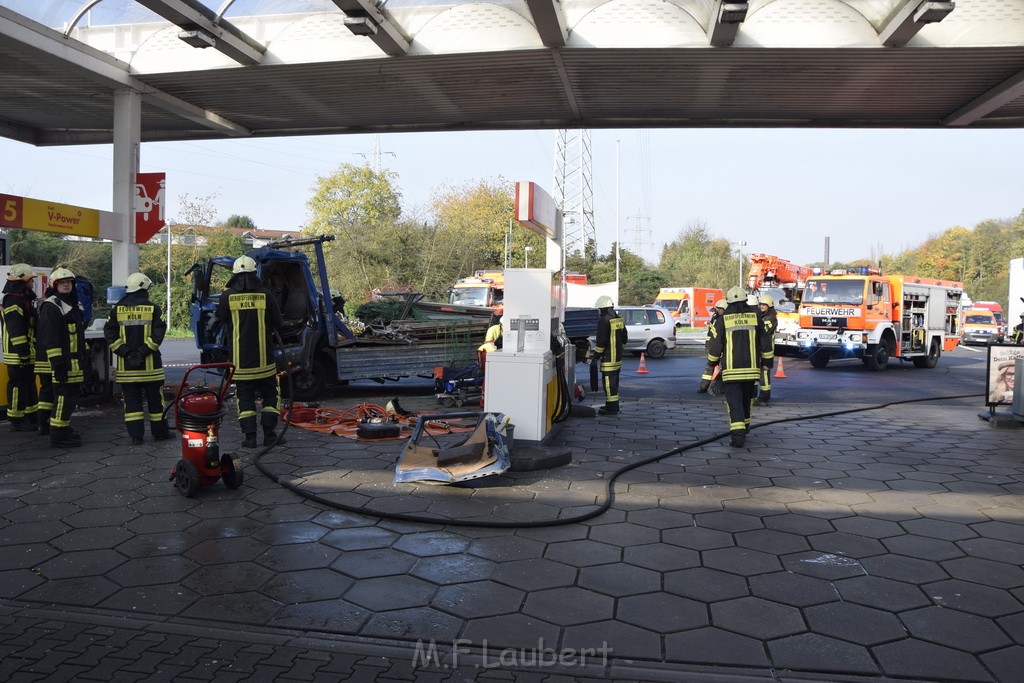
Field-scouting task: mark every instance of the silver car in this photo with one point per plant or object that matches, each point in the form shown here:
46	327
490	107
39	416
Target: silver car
651	330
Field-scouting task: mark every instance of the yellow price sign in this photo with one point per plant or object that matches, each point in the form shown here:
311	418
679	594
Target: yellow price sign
35	214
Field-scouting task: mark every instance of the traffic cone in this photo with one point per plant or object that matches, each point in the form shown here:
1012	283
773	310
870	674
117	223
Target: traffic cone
642	370
779	371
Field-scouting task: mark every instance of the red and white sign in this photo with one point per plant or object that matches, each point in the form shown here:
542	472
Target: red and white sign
149	205
535	209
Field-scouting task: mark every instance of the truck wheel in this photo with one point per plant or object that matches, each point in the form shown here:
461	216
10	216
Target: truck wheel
818	359
656	349
932	359
308	385
878	356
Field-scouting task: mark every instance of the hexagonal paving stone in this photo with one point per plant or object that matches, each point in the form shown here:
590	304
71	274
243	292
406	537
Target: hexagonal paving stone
993	549
359	538
152	599
417	622
661	557
823	565
582	553
659	518
88	591
1007	663
813	652
801	525
445	569
306	586
150	571
289	533
15	582
535	574
478	599
363	564
507	548
854	623
697	538
224	527
715	646
741	561
901	568
432	543
33	532
226	550
772	541
568	606
624	534
602	640
391	592
958	630
724	520
662	613
788	588
985	572
511	630
919	660
238	578
25	556
336	616
706	585
884	594
757	618
152	545
618	580
288	558
868	526
971	597
922	548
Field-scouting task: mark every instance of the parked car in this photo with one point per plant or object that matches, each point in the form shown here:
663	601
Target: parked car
650	329
980	327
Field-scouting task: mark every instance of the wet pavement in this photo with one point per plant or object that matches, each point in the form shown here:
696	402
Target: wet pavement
879	544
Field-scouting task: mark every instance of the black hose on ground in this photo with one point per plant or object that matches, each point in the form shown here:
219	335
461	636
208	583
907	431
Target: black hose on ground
609	489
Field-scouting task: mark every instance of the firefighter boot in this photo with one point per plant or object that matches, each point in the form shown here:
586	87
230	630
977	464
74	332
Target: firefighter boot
43	416
270	436
737	438
21	424
160	430
611	409
763	397
250	440
705	384
60	437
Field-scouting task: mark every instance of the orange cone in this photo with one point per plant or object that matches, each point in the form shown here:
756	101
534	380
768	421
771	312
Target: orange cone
779	371
642	370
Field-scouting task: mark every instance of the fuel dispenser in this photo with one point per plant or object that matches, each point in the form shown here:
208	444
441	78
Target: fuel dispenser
522	379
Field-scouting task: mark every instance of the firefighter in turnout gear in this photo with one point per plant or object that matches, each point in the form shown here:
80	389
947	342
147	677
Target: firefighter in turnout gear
770	319
1018	332
250	315
19	332
611	340
740	343
60	359
134	332
709	368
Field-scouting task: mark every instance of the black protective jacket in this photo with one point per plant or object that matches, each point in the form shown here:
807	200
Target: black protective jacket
250	315
135	330
19	323
610	342
740	342
60	337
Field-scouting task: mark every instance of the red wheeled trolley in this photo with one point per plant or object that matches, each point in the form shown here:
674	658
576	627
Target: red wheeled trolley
198	413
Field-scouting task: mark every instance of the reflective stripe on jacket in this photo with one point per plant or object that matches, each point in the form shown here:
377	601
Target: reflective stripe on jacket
738	342
19	329
60	332
135	323
250	317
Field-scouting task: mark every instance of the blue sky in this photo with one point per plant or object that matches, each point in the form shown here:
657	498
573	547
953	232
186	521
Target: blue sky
781	191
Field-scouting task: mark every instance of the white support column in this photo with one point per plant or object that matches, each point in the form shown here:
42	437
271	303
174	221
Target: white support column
127	137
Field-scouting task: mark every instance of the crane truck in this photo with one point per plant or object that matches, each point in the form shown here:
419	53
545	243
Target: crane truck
784	281
875	317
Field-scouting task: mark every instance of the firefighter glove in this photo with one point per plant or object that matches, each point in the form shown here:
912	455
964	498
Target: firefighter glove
134	360
23	352
60	368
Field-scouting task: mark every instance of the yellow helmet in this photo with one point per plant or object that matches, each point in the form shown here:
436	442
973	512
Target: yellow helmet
244	264
21	271
604	301
61	274
735	295
137	281
767	300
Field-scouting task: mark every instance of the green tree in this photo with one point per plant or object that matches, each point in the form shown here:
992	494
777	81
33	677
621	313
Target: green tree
698	258
638	282
361	207
239	222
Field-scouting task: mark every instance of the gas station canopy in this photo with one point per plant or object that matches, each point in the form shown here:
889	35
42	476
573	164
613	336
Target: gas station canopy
238	68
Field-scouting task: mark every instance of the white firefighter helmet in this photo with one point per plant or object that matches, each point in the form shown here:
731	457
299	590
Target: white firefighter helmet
721	303
244	264
137	281
21	271
61	274
735	295
767	300
604	301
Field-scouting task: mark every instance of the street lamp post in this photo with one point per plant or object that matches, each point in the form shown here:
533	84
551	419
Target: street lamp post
526	256
739	247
